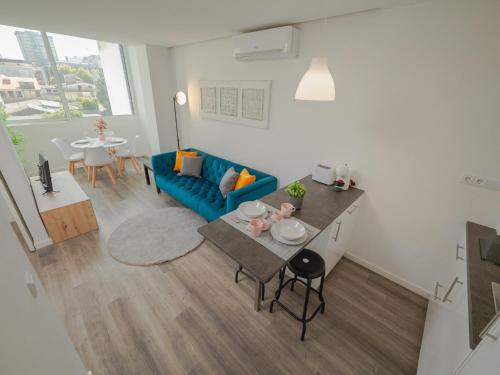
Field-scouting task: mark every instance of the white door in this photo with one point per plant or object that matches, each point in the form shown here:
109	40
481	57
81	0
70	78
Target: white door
32	338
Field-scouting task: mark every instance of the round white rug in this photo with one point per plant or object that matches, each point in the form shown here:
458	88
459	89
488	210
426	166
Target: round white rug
156	237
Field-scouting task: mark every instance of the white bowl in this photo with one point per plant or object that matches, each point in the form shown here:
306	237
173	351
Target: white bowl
290	229
253	209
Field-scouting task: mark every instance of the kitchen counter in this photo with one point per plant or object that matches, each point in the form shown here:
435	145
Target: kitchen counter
480	275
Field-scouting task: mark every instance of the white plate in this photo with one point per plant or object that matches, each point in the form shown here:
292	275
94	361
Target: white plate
290	230
277	237
243	217
253	209
82	142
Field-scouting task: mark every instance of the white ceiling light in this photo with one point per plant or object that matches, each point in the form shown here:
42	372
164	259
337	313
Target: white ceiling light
317	83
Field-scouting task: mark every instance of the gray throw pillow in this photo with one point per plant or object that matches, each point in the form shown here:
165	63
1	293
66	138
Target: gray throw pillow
228	181
191	166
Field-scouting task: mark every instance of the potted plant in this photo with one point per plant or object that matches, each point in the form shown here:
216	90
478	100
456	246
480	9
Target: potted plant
296	192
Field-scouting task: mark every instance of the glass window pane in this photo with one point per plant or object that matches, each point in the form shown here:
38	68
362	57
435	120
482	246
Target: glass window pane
92	76
27	90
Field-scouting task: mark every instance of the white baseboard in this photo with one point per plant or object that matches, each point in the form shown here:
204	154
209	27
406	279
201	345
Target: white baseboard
388	275
43	243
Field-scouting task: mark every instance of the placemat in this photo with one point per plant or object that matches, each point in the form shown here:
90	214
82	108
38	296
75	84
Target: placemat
282	250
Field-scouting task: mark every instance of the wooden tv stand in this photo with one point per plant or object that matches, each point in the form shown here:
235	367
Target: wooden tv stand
67	212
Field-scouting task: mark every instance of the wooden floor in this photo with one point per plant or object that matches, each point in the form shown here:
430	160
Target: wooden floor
189	317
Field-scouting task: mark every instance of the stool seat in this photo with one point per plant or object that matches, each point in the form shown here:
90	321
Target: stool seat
307	264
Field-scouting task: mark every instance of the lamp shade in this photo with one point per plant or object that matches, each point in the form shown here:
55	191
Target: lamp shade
180	98
317	83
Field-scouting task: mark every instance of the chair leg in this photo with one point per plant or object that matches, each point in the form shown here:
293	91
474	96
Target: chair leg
304	314
89	173
94	174
108	170
136	164
71	167
293	282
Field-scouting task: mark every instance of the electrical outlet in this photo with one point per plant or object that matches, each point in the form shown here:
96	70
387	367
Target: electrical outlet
481	182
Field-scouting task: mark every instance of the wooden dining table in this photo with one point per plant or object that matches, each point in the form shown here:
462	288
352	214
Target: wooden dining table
321	206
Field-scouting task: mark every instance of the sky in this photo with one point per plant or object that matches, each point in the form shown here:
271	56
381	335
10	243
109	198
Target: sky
65	45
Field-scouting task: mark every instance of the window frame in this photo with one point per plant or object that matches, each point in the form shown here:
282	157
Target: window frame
60	91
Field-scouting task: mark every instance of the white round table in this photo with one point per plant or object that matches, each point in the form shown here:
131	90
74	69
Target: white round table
110	142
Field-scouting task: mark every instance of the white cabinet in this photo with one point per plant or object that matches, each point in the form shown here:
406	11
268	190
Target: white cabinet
334	241
485	359
445	341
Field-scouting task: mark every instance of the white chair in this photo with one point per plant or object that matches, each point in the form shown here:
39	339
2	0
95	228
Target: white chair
97	158
129	154
69	154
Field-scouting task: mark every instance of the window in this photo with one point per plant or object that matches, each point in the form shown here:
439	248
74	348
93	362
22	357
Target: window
53	76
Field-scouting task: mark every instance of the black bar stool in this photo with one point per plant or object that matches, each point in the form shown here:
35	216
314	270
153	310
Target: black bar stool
307	265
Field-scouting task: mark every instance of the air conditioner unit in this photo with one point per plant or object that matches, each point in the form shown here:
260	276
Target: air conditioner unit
270	44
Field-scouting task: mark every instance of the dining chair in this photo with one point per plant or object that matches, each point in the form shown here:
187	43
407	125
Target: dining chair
97	158
69	154
128	154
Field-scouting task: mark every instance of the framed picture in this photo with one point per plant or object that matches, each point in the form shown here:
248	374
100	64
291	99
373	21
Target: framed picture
236	102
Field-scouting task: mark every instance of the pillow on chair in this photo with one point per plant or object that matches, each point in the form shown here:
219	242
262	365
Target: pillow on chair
244	179
191	166
178	158
228	181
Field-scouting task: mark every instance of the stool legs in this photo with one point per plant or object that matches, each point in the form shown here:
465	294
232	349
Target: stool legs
303	319
278	292
304	314
321	294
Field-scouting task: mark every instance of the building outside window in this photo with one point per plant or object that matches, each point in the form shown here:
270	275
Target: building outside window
47	76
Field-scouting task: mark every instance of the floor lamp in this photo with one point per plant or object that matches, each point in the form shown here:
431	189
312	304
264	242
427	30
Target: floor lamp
181	99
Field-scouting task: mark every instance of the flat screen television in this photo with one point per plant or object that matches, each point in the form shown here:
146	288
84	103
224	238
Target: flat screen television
44	173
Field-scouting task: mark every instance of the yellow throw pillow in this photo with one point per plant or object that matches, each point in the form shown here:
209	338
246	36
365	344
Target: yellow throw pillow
244	179
178	158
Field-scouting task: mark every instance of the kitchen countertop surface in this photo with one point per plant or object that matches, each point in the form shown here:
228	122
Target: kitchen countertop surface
480	275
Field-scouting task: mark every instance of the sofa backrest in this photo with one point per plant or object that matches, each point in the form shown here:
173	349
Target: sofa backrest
214	167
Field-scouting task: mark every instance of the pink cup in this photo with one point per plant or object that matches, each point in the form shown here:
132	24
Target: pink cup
256	226
277	216
287	209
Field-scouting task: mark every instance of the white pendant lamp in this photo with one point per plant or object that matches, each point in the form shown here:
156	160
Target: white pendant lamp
317	83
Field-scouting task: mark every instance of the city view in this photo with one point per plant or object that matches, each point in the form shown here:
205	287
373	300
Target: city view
64	80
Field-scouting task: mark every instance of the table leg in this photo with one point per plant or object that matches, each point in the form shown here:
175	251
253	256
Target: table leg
146	174
258	295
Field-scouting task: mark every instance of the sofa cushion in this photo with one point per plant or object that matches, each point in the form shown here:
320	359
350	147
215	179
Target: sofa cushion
214	168
228	181
191	166
198	194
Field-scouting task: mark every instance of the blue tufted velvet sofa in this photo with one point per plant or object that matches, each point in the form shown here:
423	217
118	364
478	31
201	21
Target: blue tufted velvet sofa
202	194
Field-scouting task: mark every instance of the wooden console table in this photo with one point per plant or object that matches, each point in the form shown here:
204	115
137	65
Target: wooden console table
67	212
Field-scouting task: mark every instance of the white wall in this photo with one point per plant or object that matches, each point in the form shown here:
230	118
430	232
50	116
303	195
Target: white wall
33	339
417	106
18	184
151	68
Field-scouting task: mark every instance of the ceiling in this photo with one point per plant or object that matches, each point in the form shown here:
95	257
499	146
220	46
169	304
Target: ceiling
168	22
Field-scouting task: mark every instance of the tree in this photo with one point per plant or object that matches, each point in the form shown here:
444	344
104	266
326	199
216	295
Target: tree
102	95
16	137
88	104
60	114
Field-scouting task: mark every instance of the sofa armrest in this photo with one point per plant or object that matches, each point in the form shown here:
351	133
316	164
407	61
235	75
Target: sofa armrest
163	163
256	190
